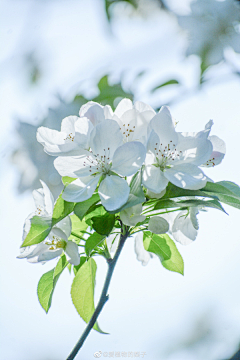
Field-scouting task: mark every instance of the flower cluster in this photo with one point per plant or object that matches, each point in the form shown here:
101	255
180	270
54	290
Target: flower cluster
101	148
101	151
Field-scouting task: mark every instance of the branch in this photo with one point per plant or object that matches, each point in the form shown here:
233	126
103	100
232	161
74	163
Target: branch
104	297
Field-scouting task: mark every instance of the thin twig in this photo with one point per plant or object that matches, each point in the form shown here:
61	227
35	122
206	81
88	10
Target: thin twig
104	297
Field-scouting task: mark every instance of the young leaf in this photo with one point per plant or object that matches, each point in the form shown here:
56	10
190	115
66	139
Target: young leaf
40	228
103	224
48	282
83	259
82	207
66	180
61	209
94	240
78	228
82	291
164	247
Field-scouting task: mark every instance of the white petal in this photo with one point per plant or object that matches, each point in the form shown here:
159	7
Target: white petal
142	255
142	107
72	254
186	176
153	195
34	251
108	113
183	230
153	179
128	158
93	111
26	251
65	226
123	106
218	153
80	190
38	197
48	198
106	137
162	123
193	212
114	192
69	166
131	216
68	124
43	199
158	225
47	255
195	150
50	139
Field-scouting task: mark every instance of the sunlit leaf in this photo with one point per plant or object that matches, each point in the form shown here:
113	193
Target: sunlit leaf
82	291
48	282
40	228
164	247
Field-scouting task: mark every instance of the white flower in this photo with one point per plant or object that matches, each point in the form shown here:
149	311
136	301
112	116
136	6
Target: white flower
212	26
57	240
132	215
183	225
107	157
71	140
174	157
218	145
132	119
142	255
218	153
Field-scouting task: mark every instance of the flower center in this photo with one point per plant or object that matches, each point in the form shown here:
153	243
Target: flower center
166	154
100	163
210	162
70	137
127	130
55	243
39	210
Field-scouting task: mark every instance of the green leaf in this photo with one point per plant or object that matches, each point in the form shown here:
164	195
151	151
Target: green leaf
40	228
226	191
83	259
66	180
103	224
95	210
164	247
109	93
168	204
231	186
82	207
78	228
48	282
173	191
82	291
61	209
94	240
169	82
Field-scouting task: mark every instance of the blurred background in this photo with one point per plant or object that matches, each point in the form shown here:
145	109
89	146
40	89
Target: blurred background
55	56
